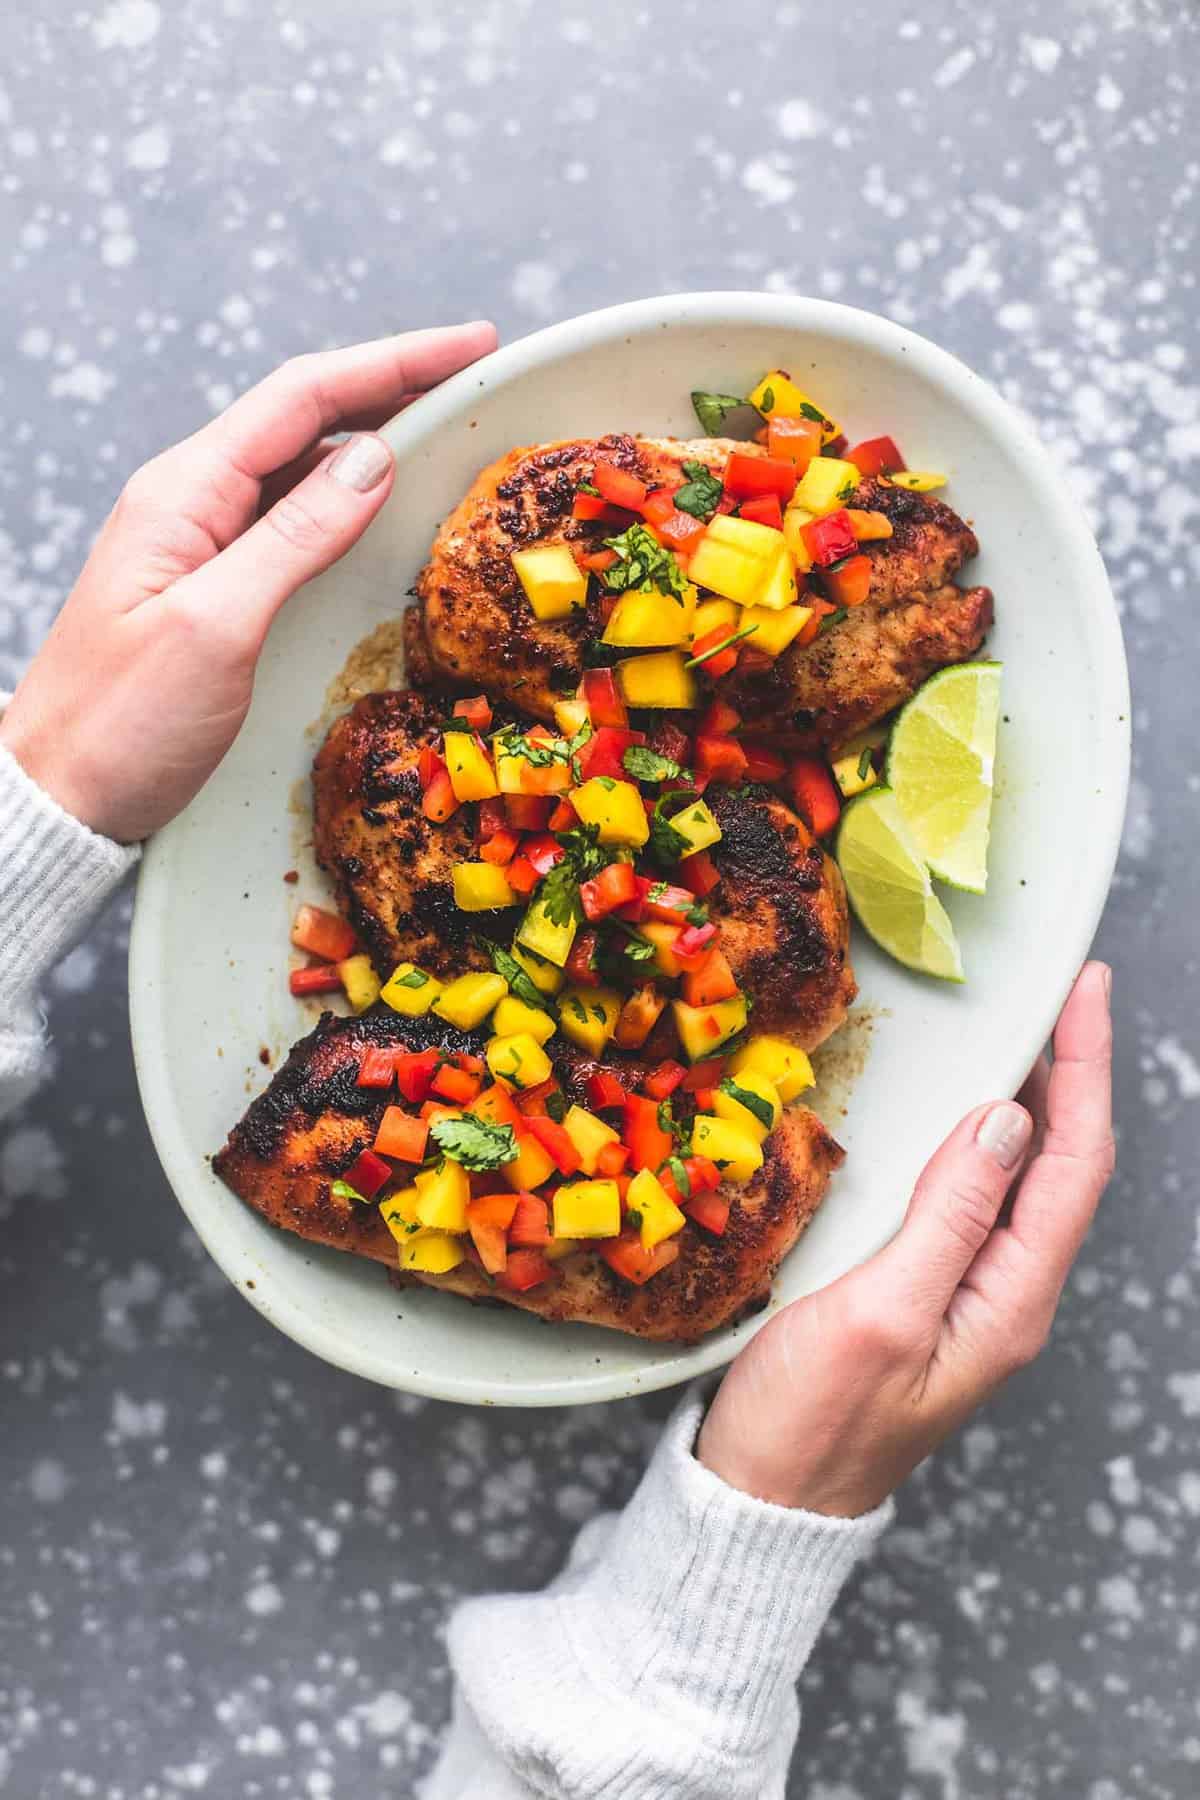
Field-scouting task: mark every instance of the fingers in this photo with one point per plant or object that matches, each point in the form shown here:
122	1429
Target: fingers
239	592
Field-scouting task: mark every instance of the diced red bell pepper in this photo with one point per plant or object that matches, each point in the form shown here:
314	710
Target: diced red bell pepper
564	817
815	794
658	505
402	1136
367	1174
699	874
795	441
820	609
663	1080
377	1068
522	876
680	532
440	802
428	764
830	538
709	1210
477	711
322	934
850	584
488	1219
415	1070
648	1144
618	486
876	456
500	848
581	963
604	1089
543	852
627	1258
532	1101
492	817
595	561
712	981
762	764
530	1227
525	1269
600	694
764	510
694	940
704	1074
601	755
725	660
718	719
664	900
321	978
527	812
556	1142
456	1084
611	1160
592	506
706	1099
614	886
720	758
702	1174
747	476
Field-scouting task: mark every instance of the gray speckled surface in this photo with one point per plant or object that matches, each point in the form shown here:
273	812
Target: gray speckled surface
222	1565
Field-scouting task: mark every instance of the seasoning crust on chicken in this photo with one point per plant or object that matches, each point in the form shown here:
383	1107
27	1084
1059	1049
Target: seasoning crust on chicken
300	1135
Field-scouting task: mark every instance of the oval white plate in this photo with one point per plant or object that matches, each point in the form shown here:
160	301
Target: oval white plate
210	953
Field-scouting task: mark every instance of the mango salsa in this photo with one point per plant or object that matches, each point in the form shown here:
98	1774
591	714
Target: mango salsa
658	679
794	521
547	939
431	1252
468	1001
442	1196
713	613
615	807
518	1060
544	976
360	982
787	401
826	484
641	620
697	825
512	1016
589	1136
784	1064
774	631
587	1209
554	583
735	558
399	1212
410	990
470	769
750	1115
736	1154
779	590
533	1165
588	1016
703	1029
650	1201
482	887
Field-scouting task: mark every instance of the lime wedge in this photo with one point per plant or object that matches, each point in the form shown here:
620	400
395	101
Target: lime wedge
890	889
939	767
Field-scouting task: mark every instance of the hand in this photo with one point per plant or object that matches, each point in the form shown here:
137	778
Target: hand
841	1396
146	675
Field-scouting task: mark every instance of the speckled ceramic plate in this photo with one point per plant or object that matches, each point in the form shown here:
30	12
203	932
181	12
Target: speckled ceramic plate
210	943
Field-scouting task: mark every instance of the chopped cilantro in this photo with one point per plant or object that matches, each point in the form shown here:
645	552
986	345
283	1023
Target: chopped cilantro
643	565
456	722
648	765
680	1176
701	493
344	1191
694	662
767	403
753	1103
832	619
864	763
633	1217
809	411
712	410
520	983
475	1143
416	978
589	487
556	1106
665	843
535	751
639	949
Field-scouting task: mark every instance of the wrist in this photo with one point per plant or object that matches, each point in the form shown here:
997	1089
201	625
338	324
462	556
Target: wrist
814	1477
56	776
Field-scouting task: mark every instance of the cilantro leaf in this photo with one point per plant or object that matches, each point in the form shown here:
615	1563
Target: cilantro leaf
768	400
344	1191
694	662
754	1103
588	487
648	765
475	1143
713	409
520	984
416	978
701	493
680	1176
643	565
831	619
558	892
456	722
535	751
809	411
864	763
664	842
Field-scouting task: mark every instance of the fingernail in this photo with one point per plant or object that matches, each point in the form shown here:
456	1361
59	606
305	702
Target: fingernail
361	463
1107	980
1004	1133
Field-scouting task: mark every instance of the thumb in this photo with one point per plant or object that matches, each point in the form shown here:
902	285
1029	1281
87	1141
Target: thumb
304	533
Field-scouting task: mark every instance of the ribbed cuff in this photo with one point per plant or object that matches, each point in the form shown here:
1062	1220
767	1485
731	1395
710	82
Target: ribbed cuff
698	1613
54	873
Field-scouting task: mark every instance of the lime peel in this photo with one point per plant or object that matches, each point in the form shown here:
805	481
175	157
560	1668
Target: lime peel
890	888
941	764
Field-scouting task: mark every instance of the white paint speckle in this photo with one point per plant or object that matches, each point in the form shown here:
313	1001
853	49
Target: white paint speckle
127	25
149	149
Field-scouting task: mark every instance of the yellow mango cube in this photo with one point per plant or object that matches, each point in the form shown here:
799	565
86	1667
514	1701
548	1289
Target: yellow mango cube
727	570
749	1101
662	936
738	1156
544	936
360	981
703	1029
544	976
518	1060
589	1136
513	768
615	807
714	614
659	679
697	825
533	1165
570	716
640	620
784	1064
558	1247
410	990
659	1216
431	1252
587	1209
794	521
442	1196
554	583
826	484
854	771
774	631
779	590
482	887
918	481
399	1213
777	396
747	535
513	1016
469	766
588	1016
468	1001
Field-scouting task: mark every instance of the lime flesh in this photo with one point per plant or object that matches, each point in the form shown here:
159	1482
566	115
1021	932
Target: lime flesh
889	887
940	768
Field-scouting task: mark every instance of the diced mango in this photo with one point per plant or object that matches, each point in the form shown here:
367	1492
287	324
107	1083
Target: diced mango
570	716
784	1064
794	521
869	527
779	589
761	541
736	1154
660	1217
546	938
662	936
495	1103
589	1136
410	990
918	481
711	614
587	1209
790	402
360	981
482	887
703	1029
762	1097
697	825
468	1001
515	774
399	1212
513	1015
554	583
558	1247
431	1252
854	771
774	631
826	484
588	1016
659	679
615	807
518	1060
442	1196
533	1164
470	767
544	976
640	620
735	558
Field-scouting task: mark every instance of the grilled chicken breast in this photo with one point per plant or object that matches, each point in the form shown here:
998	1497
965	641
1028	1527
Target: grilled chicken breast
476	630
781	906
312	1121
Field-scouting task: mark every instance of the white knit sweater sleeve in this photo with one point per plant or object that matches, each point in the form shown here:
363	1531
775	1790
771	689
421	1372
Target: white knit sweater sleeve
54	874
662	1662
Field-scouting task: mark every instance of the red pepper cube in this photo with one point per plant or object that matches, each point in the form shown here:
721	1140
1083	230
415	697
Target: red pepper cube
377	1069
402	1136
323	934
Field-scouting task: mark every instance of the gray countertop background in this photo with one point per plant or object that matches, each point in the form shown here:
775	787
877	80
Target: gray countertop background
223	1566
